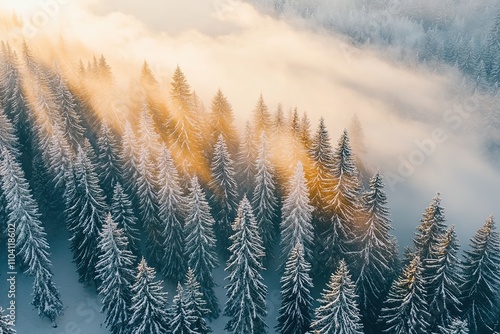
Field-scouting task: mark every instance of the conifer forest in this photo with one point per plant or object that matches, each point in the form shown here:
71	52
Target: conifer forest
249	167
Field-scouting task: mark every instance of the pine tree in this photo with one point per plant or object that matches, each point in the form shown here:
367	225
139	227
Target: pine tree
60	159
148	137
405	310
296	228
31	242
108	159
456	326
130	157
431	228
358	145
8	138
481	286
201	244
264	201
295	313
6	326
196	304
122	214
377	256
245	161
149	206
223	192
85	216
442	280
338	312
172	209
182	320
222	123
262	117
246	292
149	303
116	274
305	131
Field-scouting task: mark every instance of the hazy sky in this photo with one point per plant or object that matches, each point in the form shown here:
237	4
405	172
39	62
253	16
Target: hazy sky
229	45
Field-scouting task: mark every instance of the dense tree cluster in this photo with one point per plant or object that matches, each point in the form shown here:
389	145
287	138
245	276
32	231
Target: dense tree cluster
175	190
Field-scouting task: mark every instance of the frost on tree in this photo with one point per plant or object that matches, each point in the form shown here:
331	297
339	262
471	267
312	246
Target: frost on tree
221	121
182	319
338	311
115	272
5	324
296	216
295	313
122	213
481	288
172	208
246	292
245	161
261	118
149	303
196	304
201	244
405	310
148	137
456	326
108	159
85	212
264	201
31	242
377	257
224	193
130	157
443	277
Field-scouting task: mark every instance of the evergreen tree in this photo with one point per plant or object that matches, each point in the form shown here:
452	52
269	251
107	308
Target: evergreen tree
172	209
442	281
201	244
222	123
264	201
116	274
31	242
182	320
108	159
296	228
245	161
60	159
223	192
6	326
148	137
8	138
149	303
130	157
196	304
405	310
295	313
480	290
338	312
456	326
149	207
262	117
305	131
246	292
122	214
85	216
377	256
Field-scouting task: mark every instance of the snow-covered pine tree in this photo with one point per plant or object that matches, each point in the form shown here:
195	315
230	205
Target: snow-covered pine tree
115	272
200	244
480	290
264	201
296	310
122	214
8	137
108	159
305	131
147	196
456	326
345	204
172	208
245	161
432	226
378	253
223	192
196	304
182	320
6	326
442	280
246	291
148	137
130	157
31	242
85	212
358	145
338	312
296	216
60	159
222	123
149	303
405	310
